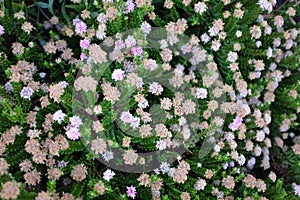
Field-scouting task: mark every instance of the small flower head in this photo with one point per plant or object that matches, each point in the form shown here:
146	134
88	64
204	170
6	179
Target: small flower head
131	191
118	75
108	174
1	30
59	116
26	92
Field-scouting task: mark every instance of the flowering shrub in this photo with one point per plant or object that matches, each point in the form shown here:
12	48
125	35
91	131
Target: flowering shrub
144	99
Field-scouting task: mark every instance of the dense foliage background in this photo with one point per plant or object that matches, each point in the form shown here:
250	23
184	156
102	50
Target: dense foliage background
253	44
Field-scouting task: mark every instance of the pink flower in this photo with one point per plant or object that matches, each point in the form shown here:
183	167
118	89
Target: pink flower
297	190
83	56
146	27
80	27
131	191
84	44
153	64
155	88
73	133
118	75
126	117
137	51
75	121
76	21
1	30
59	116
129	6
201	93
237	122
119	44
130	41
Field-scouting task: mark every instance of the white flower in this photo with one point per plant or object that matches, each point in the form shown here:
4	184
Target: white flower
126	117
265	5
269	52
232	56
117	75
258	44
165	167
201	93
26	92
217	148
42	74
186	133
108	155
238	34
161	145
146	27
213	31
200	7
260	136
156	88
135	122
108	174
143	104
59	116
98	109
182	121
205	38
241	160
200	184
251	163
64	84
75	121
215	45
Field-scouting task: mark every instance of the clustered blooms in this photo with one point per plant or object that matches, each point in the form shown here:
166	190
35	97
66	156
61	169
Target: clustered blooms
76	87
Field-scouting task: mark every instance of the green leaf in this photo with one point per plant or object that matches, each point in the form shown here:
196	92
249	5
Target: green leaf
63	10
50	7
42	4
75	7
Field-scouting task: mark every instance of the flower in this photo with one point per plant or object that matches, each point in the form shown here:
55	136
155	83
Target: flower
201	93
265	5
75	121
126	117
73	133
297	190
108	174
129	6
205	38
10	190
131	191
84	44
156	88
236	123
26	92
200	184
137	51
83	56
146	27
80	27
232	56
200	7
1	30
59	116
135	122
117	75
79	172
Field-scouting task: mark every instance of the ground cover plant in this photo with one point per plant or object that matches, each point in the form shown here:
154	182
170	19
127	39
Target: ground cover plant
141	99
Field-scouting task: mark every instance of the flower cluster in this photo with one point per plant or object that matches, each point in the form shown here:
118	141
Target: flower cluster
141	99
